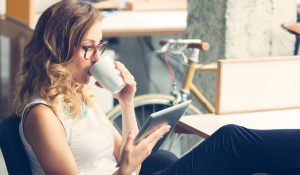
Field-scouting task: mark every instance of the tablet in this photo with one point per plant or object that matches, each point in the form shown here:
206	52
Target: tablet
170	115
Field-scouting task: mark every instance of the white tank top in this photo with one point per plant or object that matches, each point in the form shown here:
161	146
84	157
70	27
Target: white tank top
90	139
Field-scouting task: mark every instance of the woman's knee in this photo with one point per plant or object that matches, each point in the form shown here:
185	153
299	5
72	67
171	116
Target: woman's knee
230	128
158	161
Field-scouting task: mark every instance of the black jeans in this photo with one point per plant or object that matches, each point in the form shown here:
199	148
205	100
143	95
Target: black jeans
235	150
158	160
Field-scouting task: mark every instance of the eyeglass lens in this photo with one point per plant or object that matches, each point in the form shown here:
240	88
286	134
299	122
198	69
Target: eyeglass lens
91	50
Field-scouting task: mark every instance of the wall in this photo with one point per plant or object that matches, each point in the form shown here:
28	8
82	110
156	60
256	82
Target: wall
253	28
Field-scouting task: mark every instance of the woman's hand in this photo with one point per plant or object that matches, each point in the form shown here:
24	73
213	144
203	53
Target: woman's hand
127	94
134	154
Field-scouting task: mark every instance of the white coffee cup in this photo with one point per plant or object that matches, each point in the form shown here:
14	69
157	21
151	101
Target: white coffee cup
107	75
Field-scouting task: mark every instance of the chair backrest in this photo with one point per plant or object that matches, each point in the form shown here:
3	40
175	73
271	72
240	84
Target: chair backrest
12	148
258	84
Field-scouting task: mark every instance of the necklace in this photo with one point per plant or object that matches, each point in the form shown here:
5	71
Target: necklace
84	109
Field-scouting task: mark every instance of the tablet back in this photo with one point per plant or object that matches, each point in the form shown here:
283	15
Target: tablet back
169	116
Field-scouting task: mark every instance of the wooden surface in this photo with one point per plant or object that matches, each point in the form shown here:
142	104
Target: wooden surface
116	23
247	85
138	23
157	5
108	4
206	125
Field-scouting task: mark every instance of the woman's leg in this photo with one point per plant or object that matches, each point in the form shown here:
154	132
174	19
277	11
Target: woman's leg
236	150
157	161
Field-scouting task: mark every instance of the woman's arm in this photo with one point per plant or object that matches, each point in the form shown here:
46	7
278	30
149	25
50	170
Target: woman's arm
125	98
130	155
129	123
134	154
46	135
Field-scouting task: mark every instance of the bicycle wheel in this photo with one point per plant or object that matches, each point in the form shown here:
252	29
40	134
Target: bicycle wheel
144	105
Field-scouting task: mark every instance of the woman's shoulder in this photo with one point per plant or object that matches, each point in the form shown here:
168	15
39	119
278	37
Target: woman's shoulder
38	110
39	113
33	102
41	118
42	129
37	100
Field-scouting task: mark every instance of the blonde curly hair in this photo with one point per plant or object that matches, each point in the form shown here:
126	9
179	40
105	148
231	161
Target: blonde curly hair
55	41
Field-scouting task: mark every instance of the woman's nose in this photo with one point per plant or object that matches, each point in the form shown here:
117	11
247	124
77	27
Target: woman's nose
96	56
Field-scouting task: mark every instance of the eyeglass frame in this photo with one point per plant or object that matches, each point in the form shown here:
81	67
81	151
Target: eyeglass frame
102	45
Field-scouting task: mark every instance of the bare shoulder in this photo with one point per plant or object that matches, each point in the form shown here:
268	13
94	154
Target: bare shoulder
39	111
41	121
40	114
45	134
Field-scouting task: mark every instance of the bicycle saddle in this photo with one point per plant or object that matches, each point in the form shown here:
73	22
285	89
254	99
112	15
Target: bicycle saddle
293	28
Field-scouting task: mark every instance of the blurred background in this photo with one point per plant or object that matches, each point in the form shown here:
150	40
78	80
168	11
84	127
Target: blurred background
234	28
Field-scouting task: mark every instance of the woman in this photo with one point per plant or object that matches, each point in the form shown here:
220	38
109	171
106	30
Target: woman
64	133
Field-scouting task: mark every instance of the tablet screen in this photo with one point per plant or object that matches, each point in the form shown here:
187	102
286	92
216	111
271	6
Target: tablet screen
170	115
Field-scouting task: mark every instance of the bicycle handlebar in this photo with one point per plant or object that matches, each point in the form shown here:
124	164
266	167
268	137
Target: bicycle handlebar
191	43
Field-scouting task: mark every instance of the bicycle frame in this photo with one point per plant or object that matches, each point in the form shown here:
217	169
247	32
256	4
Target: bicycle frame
176	47
189	86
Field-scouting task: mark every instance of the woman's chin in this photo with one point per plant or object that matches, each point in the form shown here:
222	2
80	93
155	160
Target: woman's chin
84	81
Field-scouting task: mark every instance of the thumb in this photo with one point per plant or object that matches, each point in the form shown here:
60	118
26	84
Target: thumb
129	141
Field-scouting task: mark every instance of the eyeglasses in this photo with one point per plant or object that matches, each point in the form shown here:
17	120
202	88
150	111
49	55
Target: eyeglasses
90	50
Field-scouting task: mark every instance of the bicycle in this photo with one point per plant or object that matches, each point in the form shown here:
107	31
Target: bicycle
293	28
149	103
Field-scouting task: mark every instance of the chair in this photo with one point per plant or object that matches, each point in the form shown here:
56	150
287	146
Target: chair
12	148
258	84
